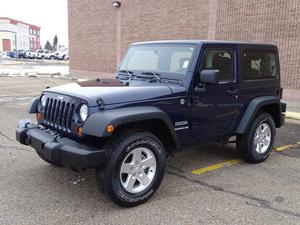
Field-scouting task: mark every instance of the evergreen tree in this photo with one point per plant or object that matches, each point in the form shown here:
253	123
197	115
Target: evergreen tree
48	46
55	42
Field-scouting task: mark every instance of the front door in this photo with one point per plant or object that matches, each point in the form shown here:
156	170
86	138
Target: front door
214	111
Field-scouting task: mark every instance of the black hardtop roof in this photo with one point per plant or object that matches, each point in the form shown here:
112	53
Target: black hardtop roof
199	42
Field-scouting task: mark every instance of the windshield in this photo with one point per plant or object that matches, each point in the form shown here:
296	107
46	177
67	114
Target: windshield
164	59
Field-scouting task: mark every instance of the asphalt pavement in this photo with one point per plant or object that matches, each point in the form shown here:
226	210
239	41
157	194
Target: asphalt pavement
33	192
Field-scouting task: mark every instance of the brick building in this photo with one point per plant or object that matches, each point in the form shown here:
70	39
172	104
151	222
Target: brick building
100	33
16	34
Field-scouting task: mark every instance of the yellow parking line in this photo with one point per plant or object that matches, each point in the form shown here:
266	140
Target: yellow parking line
236	161
293	115
285	147
216	166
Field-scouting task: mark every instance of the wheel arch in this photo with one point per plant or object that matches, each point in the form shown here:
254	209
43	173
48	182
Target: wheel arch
33	107
147	118
268	104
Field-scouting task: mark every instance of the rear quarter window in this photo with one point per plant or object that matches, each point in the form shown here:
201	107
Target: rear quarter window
259	64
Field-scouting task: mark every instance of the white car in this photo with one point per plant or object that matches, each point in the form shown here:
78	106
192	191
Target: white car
40	53
51	55
29	55
63	54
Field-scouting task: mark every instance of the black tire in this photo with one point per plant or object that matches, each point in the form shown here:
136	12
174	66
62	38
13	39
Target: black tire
245	145
50	162
109	177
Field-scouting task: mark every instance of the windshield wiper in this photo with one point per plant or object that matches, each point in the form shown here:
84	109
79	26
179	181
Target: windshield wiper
152	74
126	73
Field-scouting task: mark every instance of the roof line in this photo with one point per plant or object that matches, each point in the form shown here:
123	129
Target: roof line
13	21
195	41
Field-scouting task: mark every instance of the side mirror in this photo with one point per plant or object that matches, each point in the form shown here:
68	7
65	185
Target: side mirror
209	76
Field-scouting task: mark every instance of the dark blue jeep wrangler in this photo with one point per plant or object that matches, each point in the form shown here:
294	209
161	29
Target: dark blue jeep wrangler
167	95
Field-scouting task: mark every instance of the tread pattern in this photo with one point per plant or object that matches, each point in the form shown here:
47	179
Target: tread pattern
105	174
244	142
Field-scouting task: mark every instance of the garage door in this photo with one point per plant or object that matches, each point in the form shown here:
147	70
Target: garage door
6	45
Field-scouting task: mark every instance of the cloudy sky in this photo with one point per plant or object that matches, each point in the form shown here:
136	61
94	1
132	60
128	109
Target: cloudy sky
50	15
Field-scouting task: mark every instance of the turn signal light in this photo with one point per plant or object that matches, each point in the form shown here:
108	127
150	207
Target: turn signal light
80	132
38	116
110	128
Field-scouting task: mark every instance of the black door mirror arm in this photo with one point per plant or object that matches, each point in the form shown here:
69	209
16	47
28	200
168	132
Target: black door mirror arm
200	88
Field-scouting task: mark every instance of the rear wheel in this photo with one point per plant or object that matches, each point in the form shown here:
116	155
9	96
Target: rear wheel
134	169
256	144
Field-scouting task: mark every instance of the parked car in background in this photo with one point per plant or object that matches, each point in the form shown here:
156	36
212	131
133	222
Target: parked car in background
40	53
11	54
30	55
3	55
51	55
63	54
21	53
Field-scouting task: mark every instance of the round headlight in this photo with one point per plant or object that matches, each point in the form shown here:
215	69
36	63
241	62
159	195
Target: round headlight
43	100
83	112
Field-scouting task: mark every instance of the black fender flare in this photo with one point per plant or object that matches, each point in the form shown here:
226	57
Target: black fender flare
253	107
96	124
33	107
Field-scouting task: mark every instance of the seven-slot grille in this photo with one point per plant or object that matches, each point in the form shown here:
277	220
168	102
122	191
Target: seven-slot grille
58	114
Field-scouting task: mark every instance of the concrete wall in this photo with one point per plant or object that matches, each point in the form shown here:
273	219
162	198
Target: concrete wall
23	36
100	34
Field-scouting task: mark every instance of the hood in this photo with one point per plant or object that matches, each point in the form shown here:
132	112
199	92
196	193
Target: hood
115	92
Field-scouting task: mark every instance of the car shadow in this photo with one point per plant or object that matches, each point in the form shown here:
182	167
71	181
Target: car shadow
62	185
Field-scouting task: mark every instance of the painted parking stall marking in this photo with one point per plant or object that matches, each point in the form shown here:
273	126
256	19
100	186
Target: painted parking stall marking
216	166
232	162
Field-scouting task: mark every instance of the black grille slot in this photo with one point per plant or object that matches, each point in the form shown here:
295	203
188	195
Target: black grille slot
59	114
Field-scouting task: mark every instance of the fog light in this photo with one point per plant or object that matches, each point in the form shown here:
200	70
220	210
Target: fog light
80	132
110	128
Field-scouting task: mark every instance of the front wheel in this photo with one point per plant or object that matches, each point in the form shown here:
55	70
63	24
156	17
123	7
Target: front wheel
256	144
134	169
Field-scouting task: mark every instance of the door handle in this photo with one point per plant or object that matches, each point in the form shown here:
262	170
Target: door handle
233	91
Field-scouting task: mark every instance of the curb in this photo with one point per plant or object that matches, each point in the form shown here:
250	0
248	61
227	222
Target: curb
292	115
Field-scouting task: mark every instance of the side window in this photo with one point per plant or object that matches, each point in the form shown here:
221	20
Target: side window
219	59
259	64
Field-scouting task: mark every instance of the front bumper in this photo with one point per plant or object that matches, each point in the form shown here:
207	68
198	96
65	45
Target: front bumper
56	149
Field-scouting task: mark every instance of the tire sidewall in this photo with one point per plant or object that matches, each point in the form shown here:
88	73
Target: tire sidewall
263	118
128	145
